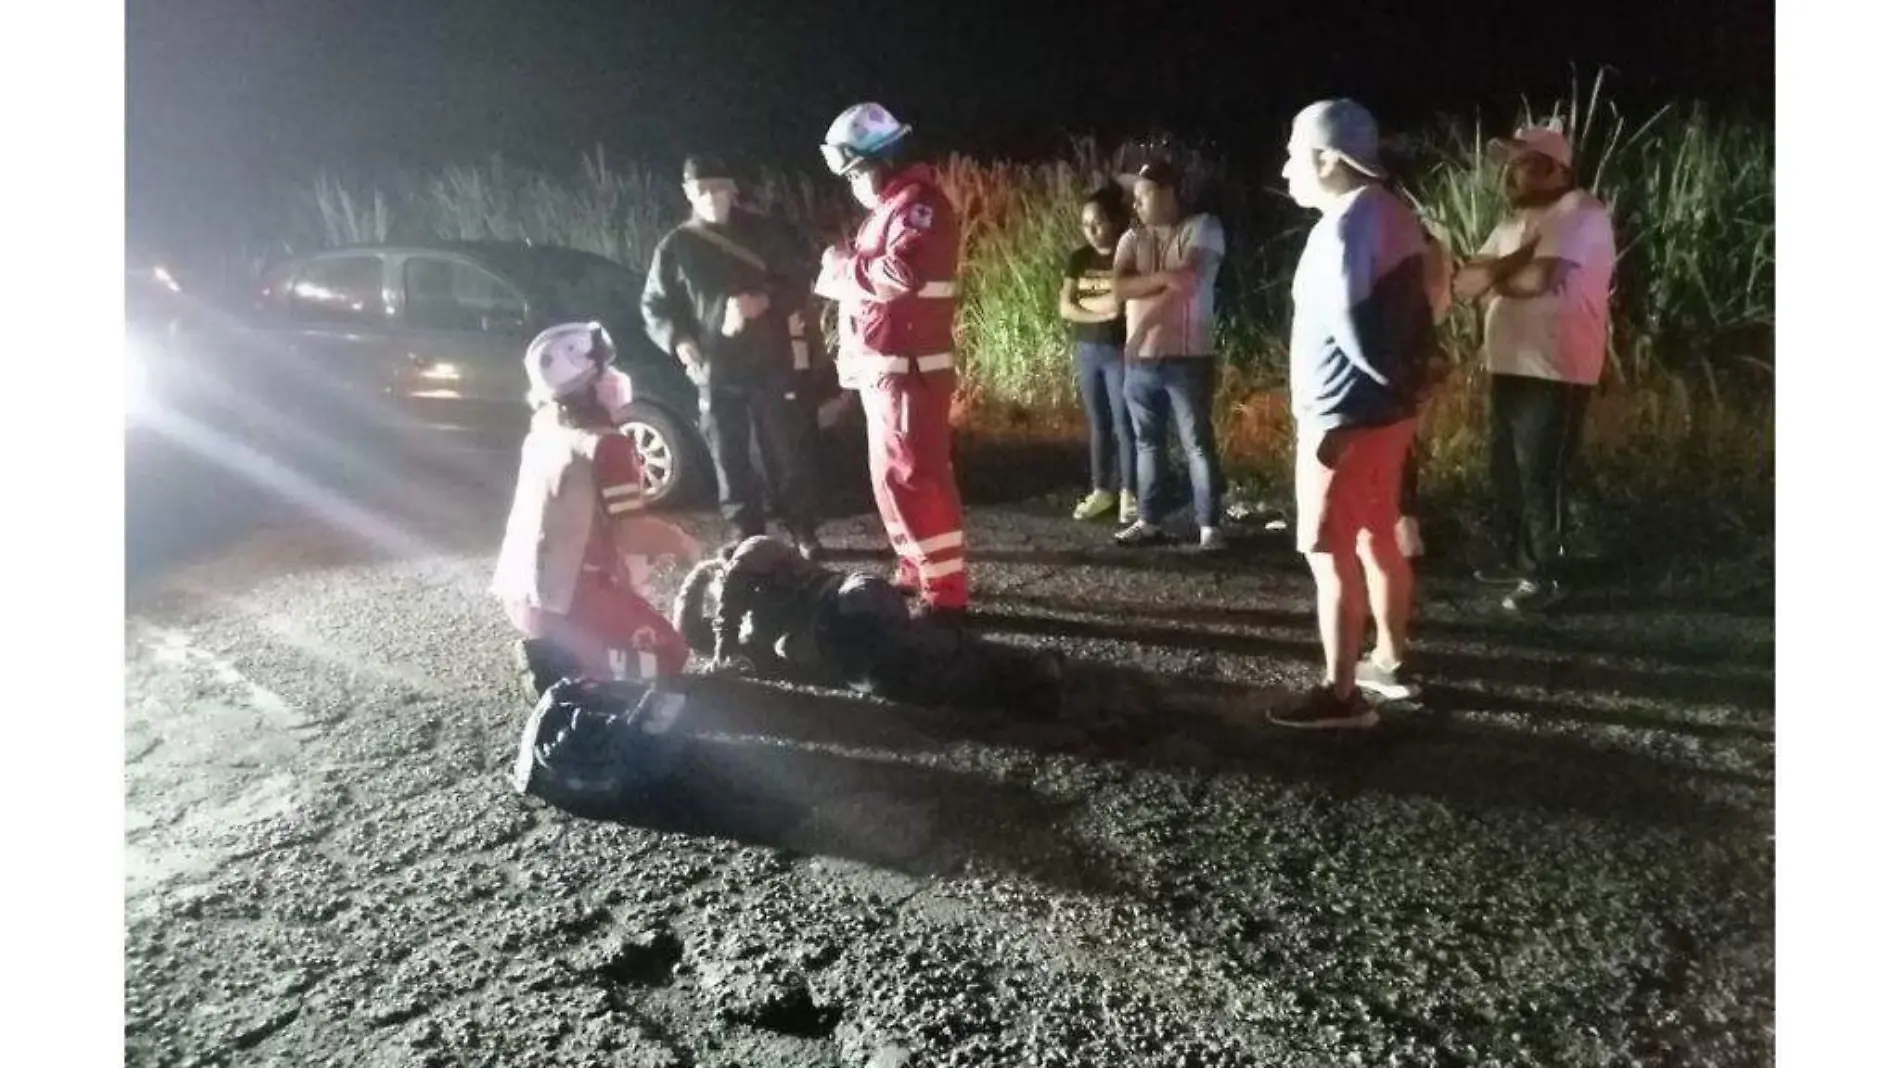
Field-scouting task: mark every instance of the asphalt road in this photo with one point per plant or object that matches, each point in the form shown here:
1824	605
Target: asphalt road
1563	857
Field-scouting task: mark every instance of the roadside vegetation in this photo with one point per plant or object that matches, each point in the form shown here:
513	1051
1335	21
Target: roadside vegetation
1681	433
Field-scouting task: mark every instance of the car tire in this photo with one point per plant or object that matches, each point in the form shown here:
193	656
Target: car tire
669	453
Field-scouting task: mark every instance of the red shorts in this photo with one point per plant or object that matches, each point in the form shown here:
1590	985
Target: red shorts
612	631
1346	482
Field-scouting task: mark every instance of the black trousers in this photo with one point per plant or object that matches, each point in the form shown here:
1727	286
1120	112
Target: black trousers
729	415
1536	433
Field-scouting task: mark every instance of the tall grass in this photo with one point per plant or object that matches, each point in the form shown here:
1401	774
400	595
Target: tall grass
1687	401
620	213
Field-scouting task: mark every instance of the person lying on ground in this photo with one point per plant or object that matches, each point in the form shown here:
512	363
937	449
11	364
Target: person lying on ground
757	604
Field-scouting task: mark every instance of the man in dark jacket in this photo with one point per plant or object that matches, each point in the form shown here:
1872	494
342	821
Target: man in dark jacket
720	295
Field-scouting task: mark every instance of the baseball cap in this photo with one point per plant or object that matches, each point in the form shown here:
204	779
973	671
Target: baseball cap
708	169
1342	126
1539	139
1160	172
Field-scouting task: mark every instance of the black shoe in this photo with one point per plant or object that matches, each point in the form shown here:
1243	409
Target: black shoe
1532	596
1320	709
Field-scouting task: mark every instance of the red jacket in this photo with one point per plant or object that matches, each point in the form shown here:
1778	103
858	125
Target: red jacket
897	289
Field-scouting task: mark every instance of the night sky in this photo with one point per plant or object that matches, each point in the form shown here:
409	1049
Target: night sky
227	99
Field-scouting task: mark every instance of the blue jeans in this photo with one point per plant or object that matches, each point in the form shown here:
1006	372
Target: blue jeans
1098	377
1183	386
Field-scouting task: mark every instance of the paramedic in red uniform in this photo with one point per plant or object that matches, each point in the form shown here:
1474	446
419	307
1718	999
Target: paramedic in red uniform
896	288
573	561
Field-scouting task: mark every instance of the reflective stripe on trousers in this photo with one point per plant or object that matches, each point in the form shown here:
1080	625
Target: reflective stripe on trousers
908	424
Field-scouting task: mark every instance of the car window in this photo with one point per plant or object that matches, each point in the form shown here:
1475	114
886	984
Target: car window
596	289
339	289
444	294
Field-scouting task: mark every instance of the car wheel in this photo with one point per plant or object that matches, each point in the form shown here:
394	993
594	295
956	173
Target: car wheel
666	451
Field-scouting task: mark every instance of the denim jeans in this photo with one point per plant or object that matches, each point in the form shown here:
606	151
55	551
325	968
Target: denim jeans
1098	377
1184	387
1536	431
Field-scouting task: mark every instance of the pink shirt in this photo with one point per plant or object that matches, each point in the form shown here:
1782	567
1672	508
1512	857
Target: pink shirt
1172	323
1564	334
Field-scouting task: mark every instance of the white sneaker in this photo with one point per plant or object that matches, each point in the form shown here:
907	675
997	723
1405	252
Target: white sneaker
1140	532
1212	540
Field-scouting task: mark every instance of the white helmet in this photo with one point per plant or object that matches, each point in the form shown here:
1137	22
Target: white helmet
860	133
563	360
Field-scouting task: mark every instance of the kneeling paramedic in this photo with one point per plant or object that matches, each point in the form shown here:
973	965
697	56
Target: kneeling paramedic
574	557
897	294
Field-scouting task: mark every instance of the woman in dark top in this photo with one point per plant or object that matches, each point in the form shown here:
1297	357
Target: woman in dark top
1098	329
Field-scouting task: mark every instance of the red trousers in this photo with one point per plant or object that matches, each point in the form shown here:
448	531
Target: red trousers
908	420
611	630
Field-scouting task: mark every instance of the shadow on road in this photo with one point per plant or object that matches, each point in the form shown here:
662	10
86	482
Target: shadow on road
1547	634
831	774
1172	720
818	772
1693	687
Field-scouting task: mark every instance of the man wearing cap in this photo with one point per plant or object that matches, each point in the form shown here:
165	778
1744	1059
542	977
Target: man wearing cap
1544	280
721	295
1362	327
1164	272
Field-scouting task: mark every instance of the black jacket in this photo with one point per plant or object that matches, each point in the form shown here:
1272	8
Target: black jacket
691	278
